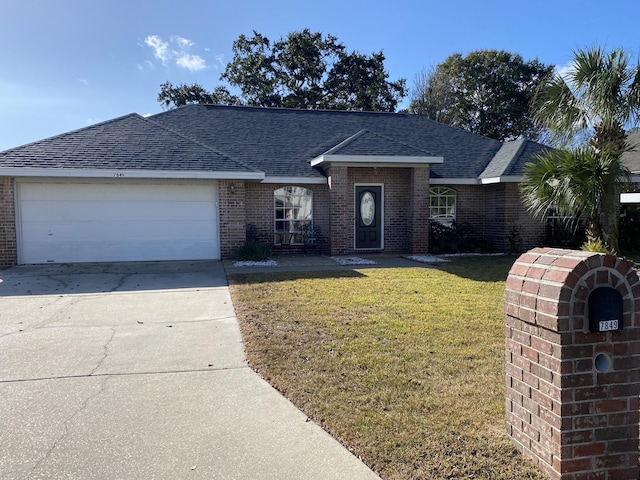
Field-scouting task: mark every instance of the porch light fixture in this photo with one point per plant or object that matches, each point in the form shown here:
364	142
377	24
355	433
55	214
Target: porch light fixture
232	188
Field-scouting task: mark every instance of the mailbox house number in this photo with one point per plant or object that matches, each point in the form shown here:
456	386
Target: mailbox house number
607	325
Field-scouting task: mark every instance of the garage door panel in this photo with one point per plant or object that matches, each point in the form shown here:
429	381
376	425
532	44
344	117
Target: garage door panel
107	222
87	231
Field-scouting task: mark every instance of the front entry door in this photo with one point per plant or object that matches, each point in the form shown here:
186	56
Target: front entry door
368	216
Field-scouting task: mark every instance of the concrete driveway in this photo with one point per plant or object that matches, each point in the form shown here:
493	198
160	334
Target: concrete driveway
137	371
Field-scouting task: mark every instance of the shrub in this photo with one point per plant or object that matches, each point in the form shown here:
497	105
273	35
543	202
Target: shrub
597	247
458	238
253	251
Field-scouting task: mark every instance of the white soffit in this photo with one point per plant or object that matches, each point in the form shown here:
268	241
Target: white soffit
110	173
375	160
295	180
630	198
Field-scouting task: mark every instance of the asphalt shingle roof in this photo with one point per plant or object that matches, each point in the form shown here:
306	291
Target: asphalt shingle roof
511	158
283	141
124	143
631	158
367	143
278	142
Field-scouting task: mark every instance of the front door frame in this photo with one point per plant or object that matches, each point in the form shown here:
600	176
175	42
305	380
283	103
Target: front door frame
356	215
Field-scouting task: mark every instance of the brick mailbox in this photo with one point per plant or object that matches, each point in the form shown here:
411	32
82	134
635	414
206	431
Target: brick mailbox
572	364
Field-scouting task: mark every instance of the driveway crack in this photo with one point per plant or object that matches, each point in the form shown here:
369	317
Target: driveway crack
66	423
105	351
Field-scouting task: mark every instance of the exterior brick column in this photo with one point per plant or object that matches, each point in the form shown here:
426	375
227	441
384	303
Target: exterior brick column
419	207
8	240
341	208
231	194
572	393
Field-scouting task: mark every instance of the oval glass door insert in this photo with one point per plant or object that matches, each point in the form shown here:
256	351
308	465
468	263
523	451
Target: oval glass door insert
367	208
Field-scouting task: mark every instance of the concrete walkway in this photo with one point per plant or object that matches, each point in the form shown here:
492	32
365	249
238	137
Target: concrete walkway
137	371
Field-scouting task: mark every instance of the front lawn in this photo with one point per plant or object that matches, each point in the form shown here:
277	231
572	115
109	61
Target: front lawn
403	366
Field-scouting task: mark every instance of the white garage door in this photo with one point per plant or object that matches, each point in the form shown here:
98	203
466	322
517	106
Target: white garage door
103	222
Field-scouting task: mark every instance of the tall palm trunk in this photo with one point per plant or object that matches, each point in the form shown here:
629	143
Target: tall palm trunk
609	143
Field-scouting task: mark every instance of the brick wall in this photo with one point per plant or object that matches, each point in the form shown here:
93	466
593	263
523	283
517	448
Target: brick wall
574	420
497	212
8	242
231	195
342	214
260	211
419	208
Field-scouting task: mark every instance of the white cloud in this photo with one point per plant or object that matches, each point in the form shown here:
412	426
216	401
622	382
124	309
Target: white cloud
160	49
84	82
564	70
175	50
193	63
219	61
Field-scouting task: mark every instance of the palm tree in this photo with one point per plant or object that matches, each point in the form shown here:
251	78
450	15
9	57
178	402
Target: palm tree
600	95
573	182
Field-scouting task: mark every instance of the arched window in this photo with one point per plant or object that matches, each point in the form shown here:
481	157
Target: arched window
442	205
293	209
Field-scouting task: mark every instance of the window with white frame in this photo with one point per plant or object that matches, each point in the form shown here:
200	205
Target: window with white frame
442	205
293	212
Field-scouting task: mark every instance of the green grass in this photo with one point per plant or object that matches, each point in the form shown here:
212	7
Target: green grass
403	366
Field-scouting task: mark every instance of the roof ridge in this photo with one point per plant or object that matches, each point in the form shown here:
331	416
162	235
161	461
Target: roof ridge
284	109
199	143
365	131
492	163
345	142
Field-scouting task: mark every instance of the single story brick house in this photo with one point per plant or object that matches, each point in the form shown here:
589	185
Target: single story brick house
189	183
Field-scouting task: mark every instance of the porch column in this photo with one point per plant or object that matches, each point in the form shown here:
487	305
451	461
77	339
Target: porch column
8	242
233	226
419	207
341	212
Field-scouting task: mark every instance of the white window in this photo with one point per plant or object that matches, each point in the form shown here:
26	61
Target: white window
442	205
293	208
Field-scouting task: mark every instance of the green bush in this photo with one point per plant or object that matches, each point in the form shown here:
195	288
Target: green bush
597	247
253	251
458	238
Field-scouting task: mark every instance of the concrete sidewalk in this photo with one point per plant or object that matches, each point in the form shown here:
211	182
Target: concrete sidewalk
137	371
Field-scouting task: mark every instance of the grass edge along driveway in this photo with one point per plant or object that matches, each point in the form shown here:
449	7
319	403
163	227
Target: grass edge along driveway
403	366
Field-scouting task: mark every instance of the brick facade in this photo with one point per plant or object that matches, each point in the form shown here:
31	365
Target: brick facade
233	220
499	215
406	212
574	419
8	241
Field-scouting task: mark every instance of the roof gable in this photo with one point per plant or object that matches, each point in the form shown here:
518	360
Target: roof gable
509	161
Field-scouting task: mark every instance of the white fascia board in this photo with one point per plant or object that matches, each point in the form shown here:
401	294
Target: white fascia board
295	180
95	173
504	179
454	181
375	160
630	198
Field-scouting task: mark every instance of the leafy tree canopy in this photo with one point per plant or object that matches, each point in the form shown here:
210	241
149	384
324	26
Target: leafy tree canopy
303	70
486	92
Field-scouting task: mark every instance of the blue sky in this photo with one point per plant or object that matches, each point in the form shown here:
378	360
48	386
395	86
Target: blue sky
66	64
